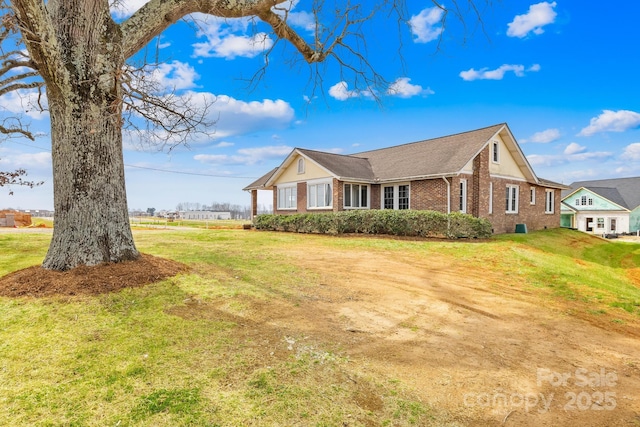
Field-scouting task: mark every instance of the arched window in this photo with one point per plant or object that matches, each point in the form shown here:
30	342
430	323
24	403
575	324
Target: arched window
300	165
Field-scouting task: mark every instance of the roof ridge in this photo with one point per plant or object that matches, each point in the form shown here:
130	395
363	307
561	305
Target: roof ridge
430	139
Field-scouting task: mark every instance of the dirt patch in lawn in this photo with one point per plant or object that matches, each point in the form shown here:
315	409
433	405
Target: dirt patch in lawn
109	277
480	348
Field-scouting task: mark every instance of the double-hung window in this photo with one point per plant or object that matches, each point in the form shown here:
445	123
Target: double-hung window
512	199
319	195
395	196
356	196
287	197
549	201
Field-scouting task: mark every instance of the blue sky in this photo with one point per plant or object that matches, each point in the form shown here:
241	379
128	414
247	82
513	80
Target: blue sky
563	74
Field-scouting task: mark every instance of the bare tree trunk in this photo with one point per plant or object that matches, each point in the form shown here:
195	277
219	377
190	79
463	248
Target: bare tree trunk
77	48
91	214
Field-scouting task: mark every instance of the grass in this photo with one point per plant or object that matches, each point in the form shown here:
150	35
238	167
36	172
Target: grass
143	357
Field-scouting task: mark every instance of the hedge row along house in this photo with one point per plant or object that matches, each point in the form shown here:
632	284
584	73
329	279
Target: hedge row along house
605	206
481	172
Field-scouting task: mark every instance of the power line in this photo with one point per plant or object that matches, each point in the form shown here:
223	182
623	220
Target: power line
156	169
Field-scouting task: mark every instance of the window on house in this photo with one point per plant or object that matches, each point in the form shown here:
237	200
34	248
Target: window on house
549	201
395	197
495	152
300	165
319	195
463	195
356	196
532	200
583	200
287	197
590	201
512	199
577	202
600	222
612	222
491	197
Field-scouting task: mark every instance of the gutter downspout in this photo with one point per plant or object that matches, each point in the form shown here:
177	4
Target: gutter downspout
448	206
448	195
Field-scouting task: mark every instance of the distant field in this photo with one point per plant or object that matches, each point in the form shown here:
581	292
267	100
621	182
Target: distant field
286	329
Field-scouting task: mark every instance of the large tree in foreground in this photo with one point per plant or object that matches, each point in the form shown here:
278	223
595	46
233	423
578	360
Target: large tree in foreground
80	52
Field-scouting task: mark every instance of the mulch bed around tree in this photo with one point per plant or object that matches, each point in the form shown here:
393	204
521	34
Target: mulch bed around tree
104	278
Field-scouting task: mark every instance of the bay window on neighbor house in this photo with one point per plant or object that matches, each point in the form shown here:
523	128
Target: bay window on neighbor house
512	199
319	195
549	201
356	196
463	195
395	197
287	196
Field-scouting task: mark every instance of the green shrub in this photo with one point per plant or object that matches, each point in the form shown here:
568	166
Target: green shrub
392	222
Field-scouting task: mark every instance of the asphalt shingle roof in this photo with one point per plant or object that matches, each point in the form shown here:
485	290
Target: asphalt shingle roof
622	191
438	156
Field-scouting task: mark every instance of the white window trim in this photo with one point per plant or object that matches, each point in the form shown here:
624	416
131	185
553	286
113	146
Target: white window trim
491	197
532	201
315	183
463	196
344	199
549	201
301	165
396	198
510	187
495	149
284	187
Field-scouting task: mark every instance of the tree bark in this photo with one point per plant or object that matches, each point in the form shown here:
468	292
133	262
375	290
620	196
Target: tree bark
77	49
80	53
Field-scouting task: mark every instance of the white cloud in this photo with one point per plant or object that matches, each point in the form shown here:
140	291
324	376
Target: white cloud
301	19
223	144
544	137
572	153
246	156
341	92
25	102
574	148
538	16
612	121
223	43
498	73
402	88
424	25
29	161
632	152
229	116
175	75
125	8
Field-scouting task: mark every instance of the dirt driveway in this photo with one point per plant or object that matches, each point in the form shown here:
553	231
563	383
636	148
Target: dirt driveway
472	345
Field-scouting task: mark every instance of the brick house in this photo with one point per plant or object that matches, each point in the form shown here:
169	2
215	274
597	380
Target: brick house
481	172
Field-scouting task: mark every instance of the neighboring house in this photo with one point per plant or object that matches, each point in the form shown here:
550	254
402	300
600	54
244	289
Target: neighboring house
602	206
481	172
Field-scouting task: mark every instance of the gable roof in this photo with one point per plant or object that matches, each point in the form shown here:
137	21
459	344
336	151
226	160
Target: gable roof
443	156
260	183
621	191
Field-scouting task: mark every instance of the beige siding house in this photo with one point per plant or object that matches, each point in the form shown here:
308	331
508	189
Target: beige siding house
481	172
